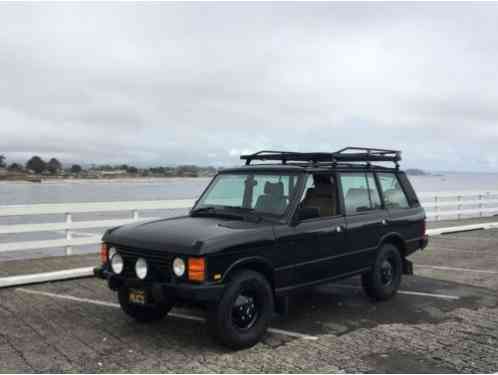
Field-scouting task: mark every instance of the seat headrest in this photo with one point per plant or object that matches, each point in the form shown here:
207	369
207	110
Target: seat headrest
274	188
355	193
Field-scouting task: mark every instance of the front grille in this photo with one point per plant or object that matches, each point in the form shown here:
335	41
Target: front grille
159	263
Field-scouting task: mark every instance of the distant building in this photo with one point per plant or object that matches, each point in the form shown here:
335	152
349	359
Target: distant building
117	172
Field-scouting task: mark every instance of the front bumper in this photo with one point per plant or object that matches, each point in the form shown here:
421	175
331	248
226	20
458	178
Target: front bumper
164	291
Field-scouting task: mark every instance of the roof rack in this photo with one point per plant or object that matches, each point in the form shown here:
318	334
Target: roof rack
348	154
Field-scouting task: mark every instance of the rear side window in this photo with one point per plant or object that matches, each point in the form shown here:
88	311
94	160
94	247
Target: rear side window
360	192
394	196
408	188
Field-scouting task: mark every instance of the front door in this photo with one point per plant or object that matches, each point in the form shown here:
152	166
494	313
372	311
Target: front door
315	245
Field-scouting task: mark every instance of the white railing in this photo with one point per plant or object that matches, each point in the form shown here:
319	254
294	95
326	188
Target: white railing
441	205
459	205
69	226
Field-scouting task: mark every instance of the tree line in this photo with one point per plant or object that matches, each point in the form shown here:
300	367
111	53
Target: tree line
39	166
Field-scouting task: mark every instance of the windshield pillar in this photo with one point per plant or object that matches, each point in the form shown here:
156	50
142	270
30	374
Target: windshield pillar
248	191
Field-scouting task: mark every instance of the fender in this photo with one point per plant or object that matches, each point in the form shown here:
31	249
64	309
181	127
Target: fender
258	260
394	237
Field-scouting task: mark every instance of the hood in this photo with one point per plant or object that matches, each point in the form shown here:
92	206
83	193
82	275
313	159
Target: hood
190	235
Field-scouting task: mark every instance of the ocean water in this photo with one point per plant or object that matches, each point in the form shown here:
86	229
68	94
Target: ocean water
180	188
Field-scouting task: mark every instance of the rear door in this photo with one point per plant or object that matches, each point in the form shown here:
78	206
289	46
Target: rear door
366	220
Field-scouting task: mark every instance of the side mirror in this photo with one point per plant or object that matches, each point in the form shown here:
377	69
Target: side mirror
305	213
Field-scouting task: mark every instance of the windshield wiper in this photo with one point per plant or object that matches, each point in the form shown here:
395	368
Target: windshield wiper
247	212
216	211
231	211
204	209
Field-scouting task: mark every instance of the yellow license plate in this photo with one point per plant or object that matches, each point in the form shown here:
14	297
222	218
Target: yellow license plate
137	296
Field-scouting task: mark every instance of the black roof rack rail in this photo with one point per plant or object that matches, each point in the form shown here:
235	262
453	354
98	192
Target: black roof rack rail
348	154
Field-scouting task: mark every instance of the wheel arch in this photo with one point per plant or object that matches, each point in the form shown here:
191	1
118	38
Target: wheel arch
258	264
396	240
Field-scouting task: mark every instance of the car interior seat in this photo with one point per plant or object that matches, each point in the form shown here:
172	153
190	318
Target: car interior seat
323	197
357	200
273	200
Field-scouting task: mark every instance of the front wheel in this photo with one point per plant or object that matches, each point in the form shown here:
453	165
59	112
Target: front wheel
382	282
143	314
240	319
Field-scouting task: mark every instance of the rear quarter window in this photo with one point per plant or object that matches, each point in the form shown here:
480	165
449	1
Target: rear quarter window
410	192
394	196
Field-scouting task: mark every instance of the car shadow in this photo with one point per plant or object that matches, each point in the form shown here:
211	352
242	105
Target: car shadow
342	307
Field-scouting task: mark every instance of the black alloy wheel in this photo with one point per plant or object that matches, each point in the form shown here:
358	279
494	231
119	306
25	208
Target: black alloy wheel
241	317
383	280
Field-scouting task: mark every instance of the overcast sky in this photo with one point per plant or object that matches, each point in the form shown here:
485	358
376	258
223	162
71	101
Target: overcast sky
169	83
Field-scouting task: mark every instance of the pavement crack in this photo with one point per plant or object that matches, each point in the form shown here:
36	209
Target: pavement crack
17	351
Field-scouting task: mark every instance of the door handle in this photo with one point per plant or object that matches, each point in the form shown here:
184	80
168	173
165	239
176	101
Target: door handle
384	222
339	228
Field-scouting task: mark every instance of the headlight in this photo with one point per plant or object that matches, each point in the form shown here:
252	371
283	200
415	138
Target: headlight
117	263
178	267
112	251
141	268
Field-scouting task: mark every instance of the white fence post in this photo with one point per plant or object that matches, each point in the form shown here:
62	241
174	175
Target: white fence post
69	235
436	207
135	214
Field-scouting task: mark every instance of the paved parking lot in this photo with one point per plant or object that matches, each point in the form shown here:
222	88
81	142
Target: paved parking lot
444	320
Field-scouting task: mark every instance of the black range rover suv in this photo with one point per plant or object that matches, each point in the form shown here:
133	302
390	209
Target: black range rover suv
261	231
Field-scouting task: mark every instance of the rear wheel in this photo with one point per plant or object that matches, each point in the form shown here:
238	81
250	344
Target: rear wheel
143	313
382	282
240	319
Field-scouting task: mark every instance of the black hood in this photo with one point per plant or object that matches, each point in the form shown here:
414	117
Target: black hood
190	235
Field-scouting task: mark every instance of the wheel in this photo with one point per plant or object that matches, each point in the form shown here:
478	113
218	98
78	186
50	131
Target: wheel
143	314
382	282
241	317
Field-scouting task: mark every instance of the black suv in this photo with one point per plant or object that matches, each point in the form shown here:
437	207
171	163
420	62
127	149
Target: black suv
264	230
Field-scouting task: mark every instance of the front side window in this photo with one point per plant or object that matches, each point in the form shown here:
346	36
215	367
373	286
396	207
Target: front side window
259	192
359	192
394	196
320	192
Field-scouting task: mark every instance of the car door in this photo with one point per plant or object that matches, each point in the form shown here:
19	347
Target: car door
366	220
313	246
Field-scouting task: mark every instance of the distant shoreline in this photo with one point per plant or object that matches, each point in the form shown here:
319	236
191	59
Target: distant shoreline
101	180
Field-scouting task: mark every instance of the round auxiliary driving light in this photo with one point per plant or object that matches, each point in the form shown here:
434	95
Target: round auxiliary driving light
141	268
179	267
117	263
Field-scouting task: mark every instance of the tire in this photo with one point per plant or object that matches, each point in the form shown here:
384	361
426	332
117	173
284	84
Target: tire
241	317
382	282
143	314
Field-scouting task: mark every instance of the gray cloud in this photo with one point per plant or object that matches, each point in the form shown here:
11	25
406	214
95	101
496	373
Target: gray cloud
154	83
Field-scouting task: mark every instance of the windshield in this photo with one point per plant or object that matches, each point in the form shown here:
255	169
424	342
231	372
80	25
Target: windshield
255	192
